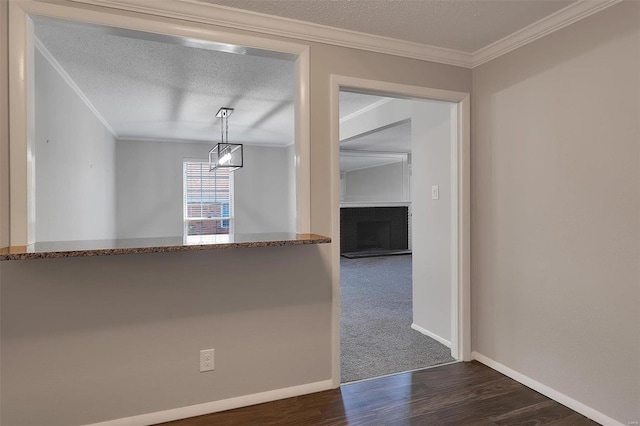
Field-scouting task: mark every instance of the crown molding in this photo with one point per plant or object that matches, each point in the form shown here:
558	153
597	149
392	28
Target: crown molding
562	18
228	17
197	11
72	84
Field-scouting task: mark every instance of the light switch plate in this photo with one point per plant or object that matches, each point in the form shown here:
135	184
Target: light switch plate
435	192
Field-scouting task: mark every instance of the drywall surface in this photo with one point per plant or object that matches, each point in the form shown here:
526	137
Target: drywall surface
431	140
387	113
121	335
124	331
150	188
556	211
75	161
291	181
262	200
327	60
381	183
4	124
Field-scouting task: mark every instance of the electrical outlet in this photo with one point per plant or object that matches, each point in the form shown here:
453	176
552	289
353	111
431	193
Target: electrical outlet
206	360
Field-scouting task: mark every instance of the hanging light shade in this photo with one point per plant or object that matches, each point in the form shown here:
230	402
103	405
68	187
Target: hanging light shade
225	155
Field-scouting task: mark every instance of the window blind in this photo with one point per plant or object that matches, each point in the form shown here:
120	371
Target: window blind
207	199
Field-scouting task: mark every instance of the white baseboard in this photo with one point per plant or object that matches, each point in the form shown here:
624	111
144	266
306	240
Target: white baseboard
547	391
432	335
216	406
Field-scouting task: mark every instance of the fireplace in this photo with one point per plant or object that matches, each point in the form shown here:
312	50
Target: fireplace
374	228
374	235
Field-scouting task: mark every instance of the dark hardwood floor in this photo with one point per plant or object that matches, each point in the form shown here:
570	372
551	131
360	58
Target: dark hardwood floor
454	394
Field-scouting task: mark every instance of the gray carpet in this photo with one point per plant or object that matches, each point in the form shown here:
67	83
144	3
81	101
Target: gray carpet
376	333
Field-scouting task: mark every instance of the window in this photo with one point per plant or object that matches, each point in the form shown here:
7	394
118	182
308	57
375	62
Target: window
208	200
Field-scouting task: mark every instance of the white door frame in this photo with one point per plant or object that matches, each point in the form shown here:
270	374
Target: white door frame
461	183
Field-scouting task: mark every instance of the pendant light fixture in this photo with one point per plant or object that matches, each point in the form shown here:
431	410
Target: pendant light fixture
225	155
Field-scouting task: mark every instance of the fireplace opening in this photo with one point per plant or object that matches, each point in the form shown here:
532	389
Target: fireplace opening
374	231
374	235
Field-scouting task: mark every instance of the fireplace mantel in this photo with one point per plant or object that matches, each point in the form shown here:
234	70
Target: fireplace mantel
344	204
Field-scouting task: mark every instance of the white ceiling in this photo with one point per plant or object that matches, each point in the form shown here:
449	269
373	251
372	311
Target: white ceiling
464	25
353	102
350	161
162	90
147	87
393	138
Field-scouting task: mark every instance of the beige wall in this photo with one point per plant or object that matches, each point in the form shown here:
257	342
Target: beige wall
326	60
86	340
122	334
556	211
4	125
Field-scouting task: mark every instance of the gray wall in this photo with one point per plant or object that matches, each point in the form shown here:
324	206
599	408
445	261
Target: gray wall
431	219
149	188
381	183
75	159
556	211
262	198
555	254
272	305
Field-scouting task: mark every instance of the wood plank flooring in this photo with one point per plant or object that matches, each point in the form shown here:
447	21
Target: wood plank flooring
455	394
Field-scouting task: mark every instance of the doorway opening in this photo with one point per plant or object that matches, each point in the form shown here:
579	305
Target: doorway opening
402	197
391	319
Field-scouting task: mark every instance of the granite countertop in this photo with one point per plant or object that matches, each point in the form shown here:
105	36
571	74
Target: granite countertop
60	249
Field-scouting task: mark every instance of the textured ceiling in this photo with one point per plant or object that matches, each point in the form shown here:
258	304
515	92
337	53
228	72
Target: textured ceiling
148	89
158	90
465	25
146	86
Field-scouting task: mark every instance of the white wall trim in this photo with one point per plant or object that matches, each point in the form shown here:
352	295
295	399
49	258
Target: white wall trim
434	336
284	27
67	78
375	204
369	167
455	131
278	26
217	406
547	391
547	25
